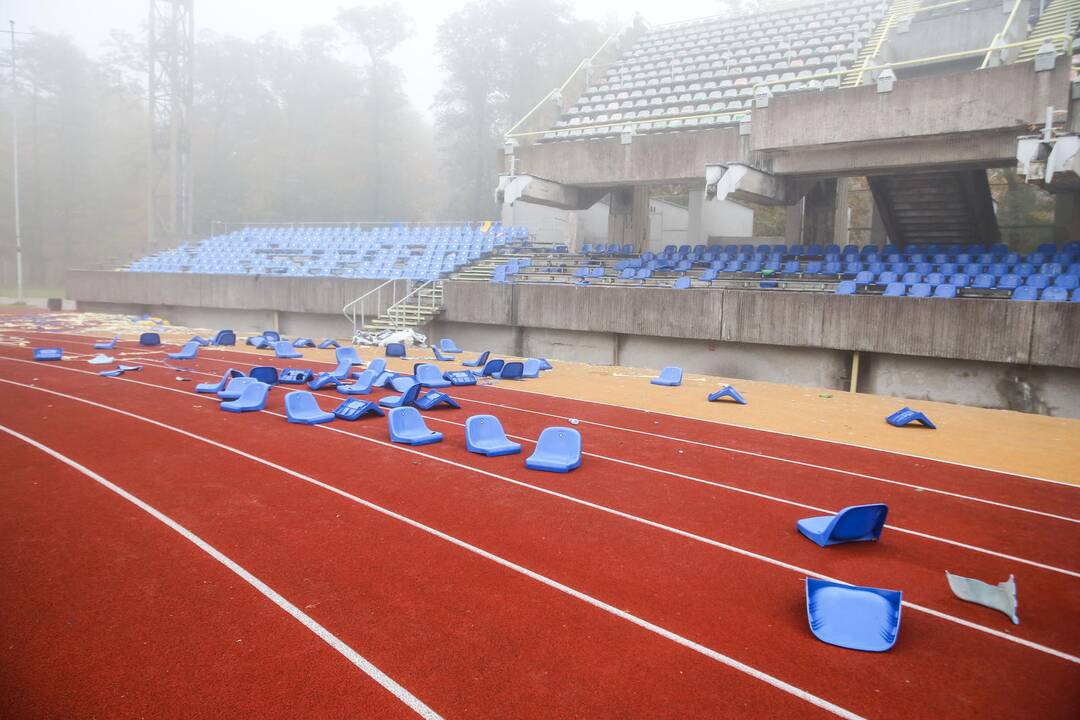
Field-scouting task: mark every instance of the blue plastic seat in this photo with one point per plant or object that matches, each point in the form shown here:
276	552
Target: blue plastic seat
301	407
846	287
302	342
1025	293
323	380
531	368
727	392
863	278
294	376
234	388
510	371
670	376
252	398
48	354
906	416
430	376
271	336
220	384
920	290
682	283
362	386
945	291
1067	281
150	339
433	399
347	354
401	383
265	374
853	617
407	397
353	409
1055	294
108	345
328	343
396	350
188	352
887	277
377	366
490	368
478	362
439	356
895	289
408	427
342	371
284	350
557	450
484	435
857	523
258	342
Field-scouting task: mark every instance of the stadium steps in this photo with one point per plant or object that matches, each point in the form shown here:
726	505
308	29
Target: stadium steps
1056	20
417	312
936	207
897	11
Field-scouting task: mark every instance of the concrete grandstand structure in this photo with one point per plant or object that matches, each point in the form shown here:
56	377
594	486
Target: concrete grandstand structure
774	109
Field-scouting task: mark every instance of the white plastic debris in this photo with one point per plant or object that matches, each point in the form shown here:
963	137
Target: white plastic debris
1001	597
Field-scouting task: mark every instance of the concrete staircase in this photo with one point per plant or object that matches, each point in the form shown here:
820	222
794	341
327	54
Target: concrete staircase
936	207
416	309
1060	18
897	11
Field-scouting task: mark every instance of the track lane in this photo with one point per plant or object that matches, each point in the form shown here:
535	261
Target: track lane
657	568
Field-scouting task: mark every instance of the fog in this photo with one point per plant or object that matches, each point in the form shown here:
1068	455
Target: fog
315	111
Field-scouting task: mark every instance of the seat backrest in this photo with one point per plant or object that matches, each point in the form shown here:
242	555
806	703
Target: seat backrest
300	402
482	360
271	335
406	418
150	339
846	287
237	384
682	283
254	393
283	347
858	521
403	382
492	366
671	374
945	291
562	442
377	366
1025	292
532	368
395	350
347	353
512	370
1055	294
895	289
265	374
365	378
426	372
920	290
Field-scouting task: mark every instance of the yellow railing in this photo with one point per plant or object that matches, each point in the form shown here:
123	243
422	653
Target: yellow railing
737	113
581	65
1001	35
894	13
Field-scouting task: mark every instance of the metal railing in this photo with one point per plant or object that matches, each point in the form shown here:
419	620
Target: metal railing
416	302
359	306
1000	37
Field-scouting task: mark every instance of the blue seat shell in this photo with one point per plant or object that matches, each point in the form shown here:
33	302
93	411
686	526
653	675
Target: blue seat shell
407	397
235	387
670	376
301	407
430	376
478	362
557	450
853	617
513	370
265	373
407	426
362	385
447	345
252	399
857	523
484	435
220	384
188	352
284	350
395	350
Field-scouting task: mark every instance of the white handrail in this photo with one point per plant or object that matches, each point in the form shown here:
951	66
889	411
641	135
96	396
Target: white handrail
416	293
362	302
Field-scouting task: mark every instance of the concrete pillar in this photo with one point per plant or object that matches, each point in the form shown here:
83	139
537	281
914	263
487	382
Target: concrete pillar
1066	217
819	213
628	216
695	222
842	219
878	235
793	224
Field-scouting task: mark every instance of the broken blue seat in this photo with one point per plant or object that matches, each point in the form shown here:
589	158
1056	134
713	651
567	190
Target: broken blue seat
108	345
203	342
271	336
682	283
407	426
433	399
258	342
289	376
858	523
906	415
220	384
407	397
510	371
301	407
727	392
45	354
328	343
557	450
531	368
895	289
188	352
342	371
377	366
478	362
150	339
252	399
395	350
224	337
348	354
284	350
484	435
460	377
430	376
669	376
302	342
544	364
853	617
846	287
101	359
383	379
265	374
353	409
362	386
447	346
322	380
234	388
401	383
490	368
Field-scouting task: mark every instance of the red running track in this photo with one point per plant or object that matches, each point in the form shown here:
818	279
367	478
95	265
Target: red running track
627	563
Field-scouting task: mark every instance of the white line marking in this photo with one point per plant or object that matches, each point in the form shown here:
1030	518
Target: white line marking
365	665
618	513
566	589
647	468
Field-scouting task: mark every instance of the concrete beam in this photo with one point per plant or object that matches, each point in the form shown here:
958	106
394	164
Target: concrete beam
742	182
538	191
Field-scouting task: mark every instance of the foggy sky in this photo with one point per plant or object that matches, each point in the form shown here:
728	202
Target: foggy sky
88	22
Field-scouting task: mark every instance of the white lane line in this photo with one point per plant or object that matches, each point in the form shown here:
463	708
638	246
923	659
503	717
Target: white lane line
602	508
647	468
776	458
554	584
362	663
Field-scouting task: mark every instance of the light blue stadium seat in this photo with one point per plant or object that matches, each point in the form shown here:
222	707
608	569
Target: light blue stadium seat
895	289
484	435
407	426
920	290
1026	293
1008	282
670	376
557	450
301	407
983	281
1055	294
846	287
1068	282
945	291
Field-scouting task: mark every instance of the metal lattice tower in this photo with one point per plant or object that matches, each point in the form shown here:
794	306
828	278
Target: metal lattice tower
171	42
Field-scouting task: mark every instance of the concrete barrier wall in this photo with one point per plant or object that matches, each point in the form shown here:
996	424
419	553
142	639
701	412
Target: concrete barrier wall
984	330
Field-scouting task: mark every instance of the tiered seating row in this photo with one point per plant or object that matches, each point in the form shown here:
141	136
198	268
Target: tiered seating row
416	252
